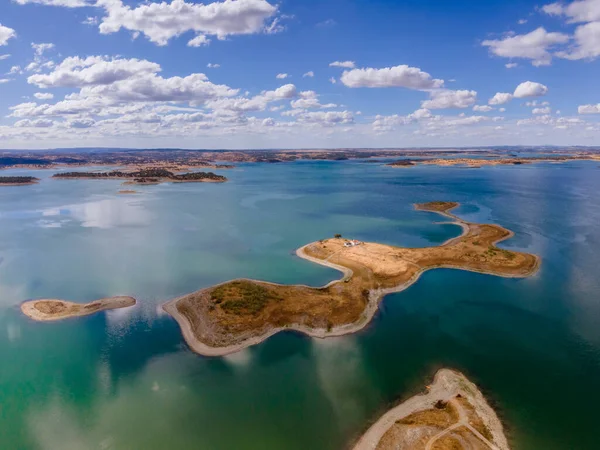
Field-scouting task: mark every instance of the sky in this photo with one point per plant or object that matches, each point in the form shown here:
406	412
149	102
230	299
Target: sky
298	73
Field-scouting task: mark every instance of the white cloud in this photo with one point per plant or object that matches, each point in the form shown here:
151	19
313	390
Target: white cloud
43	95
502	110
344	64
4	80
6	34
323	118
500	98
589	109
545	110
510	65
39	49
282	76
3	57
213	66
577	11
160	22
398	76
530	89
332	80
199	41
533	46
522	21
446	99
587	43
309	74
482	108
93	70
309	99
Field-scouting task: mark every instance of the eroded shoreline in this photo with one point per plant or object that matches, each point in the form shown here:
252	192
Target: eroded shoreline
236	338
419	422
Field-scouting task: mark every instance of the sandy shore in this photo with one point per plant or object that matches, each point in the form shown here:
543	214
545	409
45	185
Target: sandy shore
374	298
446	386
45	310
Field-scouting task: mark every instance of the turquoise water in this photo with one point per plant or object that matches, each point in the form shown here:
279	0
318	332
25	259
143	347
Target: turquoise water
125	379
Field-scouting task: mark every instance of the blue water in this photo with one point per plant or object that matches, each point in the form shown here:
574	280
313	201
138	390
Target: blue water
125	379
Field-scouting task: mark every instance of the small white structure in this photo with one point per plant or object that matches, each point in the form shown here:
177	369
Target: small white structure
352	243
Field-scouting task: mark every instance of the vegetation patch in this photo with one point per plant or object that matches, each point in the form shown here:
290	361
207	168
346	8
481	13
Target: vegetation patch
243	297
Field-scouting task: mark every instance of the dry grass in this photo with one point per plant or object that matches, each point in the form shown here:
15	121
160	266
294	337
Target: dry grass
232	312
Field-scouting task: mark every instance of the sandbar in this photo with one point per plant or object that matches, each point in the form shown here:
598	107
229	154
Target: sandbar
452	414
45	310
231	316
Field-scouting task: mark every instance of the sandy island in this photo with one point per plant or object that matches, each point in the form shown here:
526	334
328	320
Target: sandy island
231	316
453	414
50	309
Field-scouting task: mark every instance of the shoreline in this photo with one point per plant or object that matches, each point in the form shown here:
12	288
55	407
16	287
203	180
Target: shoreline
446	386
375	296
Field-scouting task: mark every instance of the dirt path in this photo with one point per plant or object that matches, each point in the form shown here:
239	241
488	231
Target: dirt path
446	386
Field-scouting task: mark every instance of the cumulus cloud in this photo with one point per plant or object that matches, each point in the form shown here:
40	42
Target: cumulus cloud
577	11
500	98
282	76
398	76
343	64
587	43
93	70
544	110
510	65
589	109
447	99
39	49
309	74
534	46
530	89
6	34
43	95
199	41
160	22
213	66
328	118
482	108
3	57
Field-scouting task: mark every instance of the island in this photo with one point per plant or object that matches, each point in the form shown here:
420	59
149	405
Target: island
236	314
452	414
46	310
145	176
18	181
491	161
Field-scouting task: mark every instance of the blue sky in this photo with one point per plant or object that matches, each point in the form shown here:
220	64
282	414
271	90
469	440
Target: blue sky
376	73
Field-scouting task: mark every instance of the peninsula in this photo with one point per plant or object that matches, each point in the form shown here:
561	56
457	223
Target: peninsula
18	181
452	415
228	317
46	310
145	176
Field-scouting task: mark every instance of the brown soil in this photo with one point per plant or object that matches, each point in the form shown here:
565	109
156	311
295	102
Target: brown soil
451	415
224	316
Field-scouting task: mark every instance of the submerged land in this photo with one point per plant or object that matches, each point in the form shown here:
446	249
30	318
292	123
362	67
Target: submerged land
46	310
451	415
228	317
